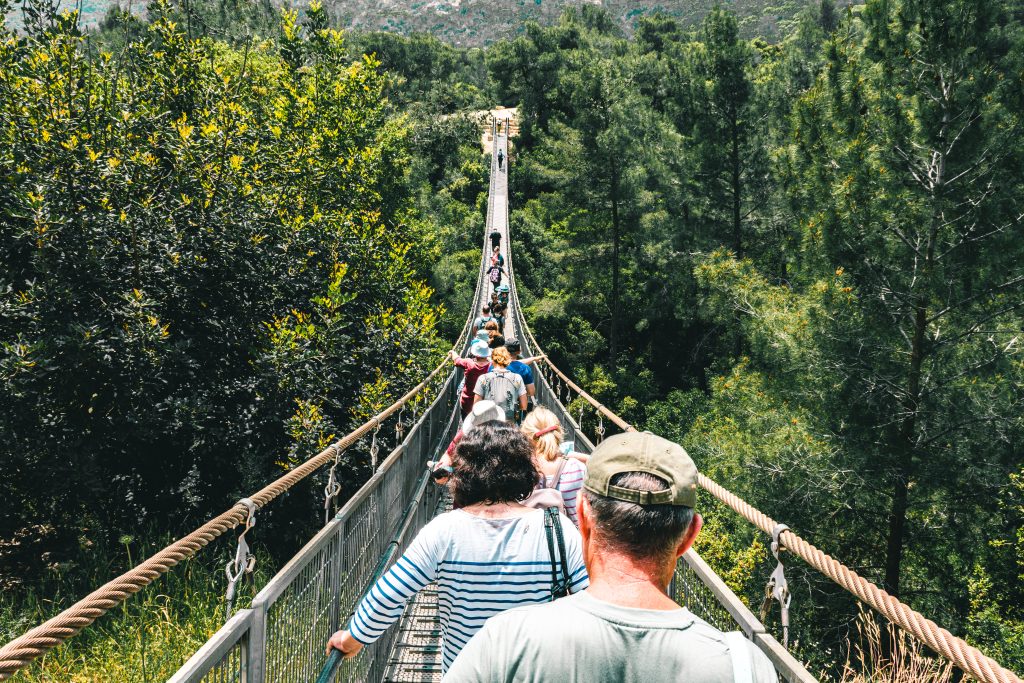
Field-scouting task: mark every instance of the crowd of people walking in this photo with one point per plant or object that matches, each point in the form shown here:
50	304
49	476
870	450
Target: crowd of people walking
553	565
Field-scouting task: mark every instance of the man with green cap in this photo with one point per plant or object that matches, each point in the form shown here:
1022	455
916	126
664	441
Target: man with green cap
637	518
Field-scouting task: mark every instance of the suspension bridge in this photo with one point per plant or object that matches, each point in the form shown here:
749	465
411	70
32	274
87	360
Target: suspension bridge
281	636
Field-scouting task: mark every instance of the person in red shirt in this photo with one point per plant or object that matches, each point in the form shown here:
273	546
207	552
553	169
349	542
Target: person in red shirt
474	367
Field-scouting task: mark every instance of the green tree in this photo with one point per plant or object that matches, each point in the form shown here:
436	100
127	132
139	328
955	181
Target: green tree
910	148
204	256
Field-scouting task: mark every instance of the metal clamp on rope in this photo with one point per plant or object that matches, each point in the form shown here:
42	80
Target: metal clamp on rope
374	448
333	487
244	561
399	426
777	588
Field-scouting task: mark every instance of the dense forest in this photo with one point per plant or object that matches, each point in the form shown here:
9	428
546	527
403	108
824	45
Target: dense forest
230	233
804	260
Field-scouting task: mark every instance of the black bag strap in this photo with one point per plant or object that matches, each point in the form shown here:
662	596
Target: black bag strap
553	528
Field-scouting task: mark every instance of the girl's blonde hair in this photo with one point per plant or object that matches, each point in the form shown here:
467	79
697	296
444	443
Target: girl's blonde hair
545	445
501	357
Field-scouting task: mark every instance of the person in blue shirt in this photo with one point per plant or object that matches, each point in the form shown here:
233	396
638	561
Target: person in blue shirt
520	368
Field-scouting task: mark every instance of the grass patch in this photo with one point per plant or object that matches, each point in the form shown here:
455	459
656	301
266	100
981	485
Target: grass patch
146	638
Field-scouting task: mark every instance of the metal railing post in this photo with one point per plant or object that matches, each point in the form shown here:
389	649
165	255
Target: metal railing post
258	643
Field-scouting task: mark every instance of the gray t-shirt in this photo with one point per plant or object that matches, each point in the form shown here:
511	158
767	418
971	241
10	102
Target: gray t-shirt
581	638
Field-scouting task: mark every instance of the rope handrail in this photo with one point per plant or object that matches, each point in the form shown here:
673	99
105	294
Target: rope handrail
36	642
967	657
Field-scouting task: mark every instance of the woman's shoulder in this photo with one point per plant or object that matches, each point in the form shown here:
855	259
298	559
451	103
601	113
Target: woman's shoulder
573	465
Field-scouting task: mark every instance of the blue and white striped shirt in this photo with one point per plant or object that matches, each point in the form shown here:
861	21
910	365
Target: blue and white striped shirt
482	567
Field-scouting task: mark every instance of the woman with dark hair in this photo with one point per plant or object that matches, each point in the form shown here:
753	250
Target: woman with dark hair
487	555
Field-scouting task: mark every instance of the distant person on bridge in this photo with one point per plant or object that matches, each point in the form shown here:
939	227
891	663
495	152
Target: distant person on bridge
487	555
491	328
501	385
637	518
494	274
482	319
501	158
521	367
495	239
498	310
557	471
474	367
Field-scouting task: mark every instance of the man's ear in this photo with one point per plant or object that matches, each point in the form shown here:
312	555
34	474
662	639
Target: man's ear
583	514
696	524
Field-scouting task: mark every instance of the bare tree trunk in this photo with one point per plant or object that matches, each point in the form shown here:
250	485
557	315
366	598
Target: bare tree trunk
737	234
613	336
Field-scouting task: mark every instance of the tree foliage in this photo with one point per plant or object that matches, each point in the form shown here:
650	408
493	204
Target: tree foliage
206	253
821	277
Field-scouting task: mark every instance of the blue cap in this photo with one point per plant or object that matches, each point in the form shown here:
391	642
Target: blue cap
480	349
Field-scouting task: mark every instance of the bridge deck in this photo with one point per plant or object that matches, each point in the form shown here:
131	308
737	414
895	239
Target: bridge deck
416	655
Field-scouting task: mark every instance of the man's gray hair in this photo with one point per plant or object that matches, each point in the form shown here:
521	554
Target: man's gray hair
641	531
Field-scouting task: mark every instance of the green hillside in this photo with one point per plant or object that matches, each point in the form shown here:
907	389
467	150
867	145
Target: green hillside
479	22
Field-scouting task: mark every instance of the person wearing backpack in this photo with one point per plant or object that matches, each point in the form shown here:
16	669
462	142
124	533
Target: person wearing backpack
501	385
494	274
637	518
558	472
482	319
473	368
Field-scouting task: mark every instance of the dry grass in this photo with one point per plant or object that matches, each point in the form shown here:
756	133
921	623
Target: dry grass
866	662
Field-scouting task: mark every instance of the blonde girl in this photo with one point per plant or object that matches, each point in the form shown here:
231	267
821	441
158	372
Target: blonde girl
545	433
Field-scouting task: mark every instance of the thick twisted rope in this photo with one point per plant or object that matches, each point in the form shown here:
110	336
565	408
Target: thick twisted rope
967	657
34	643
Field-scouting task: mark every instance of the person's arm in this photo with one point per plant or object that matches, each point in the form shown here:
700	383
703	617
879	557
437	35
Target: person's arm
531	390
385	601
533	359
582	457
522	394
478	391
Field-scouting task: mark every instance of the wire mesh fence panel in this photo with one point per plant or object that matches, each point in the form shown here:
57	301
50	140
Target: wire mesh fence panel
688	590
234	667
300	619
225	658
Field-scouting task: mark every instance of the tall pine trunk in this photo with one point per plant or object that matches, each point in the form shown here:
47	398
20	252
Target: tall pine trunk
613	336
734	158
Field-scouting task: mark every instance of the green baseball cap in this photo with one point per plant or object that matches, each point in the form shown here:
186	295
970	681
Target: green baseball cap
643	452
